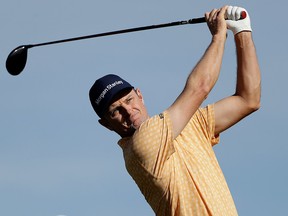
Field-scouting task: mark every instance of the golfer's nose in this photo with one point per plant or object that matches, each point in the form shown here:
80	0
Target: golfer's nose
127	109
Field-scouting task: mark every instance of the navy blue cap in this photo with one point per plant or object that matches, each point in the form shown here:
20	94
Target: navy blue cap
104	90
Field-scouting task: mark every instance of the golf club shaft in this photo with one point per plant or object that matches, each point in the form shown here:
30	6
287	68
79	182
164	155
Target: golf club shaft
143	28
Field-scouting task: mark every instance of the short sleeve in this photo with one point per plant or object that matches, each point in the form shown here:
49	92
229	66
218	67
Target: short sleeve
206	116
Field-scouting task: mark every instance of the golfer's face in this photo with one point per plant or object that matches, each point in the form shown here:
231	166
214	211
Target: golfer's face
127	113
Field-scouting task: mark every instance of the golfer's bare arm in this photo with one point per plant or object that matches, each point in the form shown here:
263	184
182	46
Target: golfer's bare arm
248	87
203	77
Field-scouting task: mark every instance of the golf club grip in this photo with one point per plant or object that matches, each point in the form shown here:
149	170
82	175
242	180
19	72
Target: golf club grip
197	20
243	15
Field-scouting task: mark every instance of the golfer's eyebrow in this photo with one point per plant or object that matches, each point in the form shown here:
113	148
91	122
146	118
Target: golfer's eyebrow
124	99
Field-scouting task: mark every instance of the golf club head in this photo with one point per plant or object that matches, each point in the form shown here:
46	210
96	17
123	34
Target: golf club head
16	60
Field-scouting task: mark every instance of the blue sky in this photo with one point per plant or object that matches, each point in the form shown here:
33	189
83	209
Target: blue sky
55	159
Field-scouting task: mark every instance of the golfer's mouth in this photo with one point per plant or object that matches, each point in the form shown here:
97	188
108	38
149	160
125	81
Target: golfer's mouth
127	124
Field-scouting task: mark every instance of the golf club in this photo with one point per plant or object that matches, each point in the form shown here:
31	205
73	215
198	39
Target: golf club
17	58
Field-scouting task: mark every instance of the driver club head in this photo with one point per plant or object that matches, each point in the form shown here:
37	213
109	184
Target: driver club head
16	60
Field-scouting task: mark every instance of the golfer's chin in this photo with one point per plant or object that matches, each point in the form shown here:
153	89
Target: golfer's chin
128	132
136	123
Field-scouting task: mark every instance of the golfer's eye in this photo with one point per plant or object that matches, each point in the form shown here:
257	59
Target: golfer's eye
114	112
129	100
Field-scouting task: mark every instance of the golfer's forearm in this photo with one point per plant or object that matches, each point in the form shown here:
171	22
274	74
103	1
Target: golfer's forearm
248	71
198	85
206	72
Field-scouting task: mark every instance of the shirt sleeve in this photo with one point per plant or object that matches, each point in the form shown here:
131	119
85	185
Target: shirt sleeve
203	123
153	143
209	120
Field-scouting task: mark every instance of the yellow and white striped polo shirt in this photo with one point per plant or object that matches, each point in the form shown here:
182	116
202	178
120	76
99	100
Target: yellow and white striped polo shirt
179	177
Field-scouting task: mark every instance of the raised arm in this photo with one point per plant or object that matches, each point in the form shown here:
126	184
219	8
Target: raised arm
203	77
248	87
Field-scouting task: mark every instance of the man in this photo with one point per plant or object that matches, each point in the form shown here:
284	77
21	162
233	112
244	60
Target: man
170	155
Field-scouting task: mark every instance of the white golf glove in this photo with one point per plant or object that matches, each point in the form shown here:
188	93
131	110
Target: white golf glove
234	23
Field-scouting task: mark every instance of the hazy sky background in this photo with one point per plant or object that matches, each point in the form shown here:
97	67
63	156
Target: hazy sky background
55	159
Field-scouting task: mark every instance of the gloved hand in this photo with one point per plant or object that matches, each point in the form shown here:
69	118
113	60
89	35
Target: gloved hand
234	23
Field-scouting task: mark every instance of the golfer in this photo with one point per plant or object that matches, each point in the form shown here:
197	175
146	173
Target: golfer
170	155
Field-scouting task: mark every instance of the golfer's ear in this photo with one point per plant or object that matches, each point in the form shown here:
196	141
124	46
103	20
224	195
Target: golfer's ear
105	123
138	92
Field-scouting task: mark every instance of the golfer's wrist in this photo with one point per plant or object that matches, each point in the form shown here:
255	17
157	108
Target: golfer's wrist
219	38
243	38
